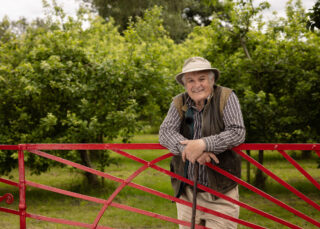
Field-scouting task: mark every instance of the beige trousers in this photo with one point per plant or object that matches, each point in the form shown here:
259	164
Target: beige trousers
207	200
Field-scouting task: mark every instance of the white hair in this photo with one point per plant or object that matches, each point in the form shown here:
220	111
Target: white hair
210	74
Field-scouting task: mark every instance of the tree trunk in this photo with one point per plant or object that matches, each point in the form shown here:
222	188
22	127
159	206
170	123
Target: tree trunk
100	139
306	154
248	167
91	178
260	179
244	46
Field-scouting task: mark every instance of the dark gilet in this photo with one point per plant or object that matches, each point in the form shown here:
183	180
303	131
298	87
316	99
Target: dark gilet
212	124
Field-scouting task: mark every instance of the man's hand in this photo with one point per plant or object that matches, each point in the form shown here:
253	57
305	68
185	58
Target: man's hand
206	157
193	149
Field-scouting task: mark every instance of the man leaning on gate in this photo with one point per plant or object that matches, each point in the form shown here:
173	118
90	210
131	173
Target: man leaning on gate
202	125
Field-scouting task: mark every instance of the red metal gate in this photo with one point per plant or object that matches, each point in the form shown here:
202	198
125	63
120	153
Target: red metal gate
118	148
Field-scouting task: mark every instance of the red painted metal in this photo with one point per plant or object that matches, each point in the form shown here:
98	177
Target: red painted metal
94	146
127	181
151	164
115	193
22	188
151	214
102	201
220	195
52	157
11	211
267	196
165	196
279	180
171	174
63	221
9	147
8	197
35	148
76	165
9	182
301	170
277	146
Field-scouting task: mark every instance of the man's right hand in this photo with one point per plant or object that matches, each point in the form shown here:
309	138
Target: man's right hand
193	149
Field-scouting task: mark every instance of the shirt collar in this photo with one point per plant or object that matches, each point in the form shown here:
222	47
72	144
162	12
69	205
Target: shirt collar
191	103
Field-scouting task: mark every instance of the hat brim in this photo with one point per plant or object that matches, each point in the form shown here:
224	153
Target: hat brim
214	70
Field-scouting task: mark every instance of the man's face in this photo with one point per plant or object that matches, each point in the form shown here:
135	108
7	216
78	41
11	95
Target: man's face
198	85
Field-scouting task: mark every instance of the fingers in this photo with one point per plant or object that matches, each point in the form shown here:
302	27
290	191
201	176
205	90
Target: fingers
184	142
206	158
192	160
214	158
193	149
183	156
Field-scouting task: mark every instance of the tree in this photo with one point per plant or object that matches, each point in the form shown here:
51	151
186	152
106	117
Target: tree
5	33
179	17
268	66
256	59
10	29
314	17
61	83
53	91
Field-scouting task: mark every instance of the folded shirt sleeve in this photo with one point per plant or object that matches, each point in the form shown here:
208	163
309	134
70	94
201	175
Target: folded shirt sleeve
234	133
169	133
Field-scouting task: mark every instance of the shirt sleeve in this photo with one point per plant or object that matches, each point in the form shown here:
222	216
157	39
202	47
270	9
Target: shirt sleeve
169	133
234	133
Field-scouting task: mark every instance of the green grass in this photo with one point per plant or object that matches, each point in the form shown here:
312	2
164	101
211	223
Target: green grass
55	205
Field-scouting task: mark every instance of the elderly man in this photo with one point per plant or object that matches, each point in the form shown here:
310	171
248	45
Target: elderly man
202	125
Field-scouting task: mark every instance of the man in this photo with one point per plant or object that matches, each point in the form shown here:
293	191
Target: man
202	125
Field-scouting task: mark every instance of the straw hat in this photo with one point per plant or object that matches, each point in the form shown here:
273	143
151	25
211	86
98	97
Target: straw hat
195	64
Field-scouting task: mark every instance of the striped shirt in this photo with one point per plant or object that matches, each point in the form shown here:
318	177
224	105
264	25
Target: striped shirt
233	135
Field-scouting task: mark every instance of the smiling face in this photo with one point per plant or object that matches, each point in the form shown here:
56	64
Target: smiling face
198	85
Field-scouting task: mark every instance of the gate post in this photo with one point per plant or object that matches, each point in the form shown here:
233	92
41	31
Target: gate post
22	187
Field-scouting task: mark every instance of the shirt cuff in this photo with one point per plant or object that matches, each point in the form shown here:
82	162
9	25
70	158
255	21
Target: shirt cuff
210	144
180	148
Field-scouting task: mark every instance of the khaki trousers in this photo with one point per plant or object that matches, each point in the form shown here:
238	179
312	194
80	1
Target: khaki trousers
207	200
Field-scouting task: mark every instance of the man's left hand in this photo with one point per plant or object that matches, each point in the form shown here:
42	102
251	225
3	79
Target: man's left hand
206	157
193	149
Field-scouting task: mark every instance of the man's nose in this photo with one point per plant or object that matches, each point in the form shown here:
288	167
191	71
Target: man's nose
197	83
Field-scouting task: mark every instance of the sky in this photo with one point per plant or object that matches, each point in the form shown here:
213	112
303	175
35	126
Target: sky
32	9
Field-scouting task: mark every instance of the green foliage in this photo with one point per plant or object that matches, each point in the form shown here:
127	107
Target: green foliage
179	16
314	17
61	81
273	69
53	91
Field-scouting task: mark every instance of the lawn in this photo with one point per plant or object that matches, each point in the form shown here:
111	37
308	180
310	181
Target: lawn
56	205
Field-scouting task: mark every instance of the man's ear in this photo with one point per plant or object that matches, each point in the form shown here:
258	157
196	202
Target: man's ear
212	82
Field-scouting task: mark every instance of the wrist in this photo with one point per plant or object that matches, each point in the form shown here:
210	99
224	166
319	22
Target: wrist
202	145
207	144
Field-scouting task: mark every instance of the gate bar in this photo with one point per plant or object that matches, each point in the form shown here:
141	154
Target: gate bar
116	147
279	180
22	187
102	201
76	165
301	170
263	194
